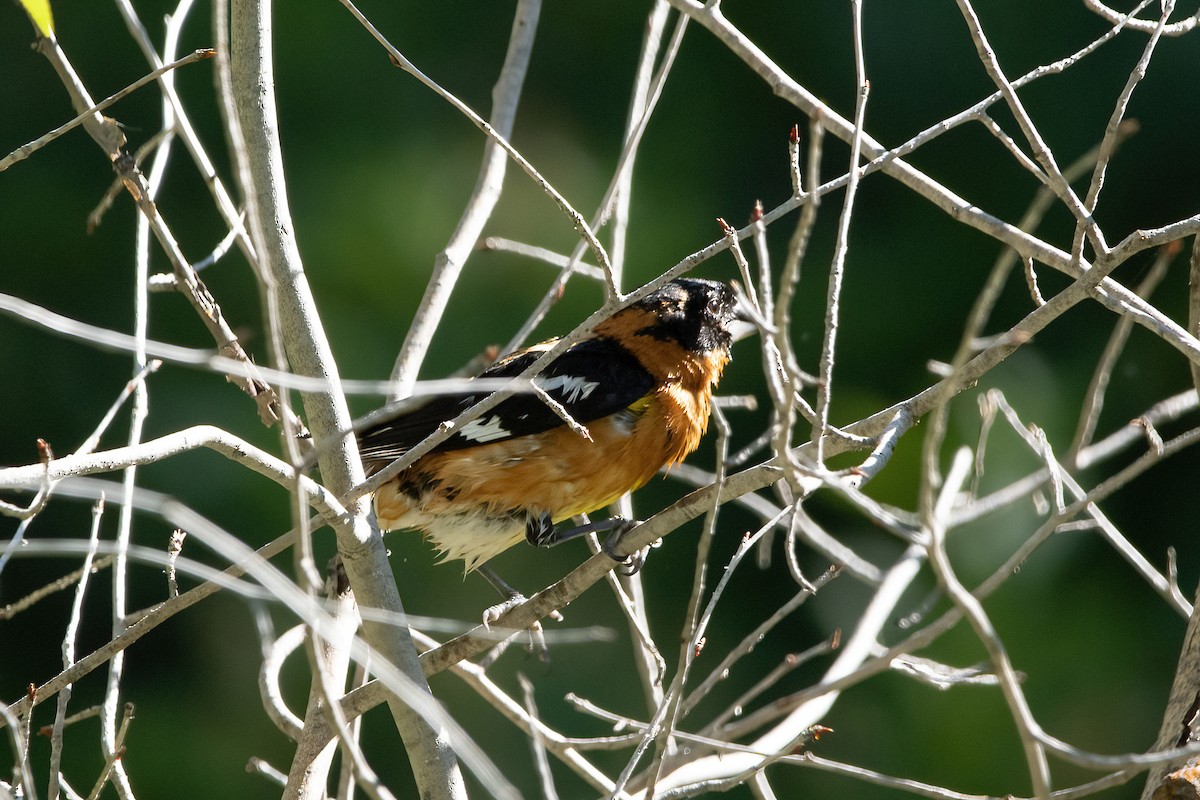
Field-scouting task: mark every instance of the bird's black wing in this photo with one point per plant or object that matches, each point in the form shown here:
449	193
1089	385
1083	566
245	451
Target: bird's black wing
592	379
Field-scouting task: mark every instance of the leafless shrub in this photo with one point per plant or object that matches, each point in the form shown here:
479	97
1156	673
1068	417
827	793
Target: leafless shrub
801	467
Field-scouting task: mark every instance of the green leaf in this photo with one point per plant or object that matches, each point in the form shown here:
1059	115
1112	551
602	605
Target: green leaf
39	12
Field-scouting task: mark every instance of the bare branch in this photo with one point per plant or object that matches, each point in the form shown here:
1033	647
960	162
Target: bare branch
449	263
261	172
842	244
1146	26
577	220
1035	754
26	150
68	651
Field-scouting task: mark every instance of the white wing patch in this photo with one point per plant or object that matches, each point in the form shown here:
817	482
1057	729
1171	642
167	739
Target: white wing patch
481	430
573	387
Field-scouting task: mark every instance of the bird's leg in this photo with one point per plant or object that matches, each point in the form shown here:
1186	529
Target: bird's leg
541	532
513	598
499	584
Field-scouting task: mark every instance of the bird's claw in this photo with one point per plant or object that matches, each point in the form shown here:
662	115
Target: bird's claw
631	563
493	613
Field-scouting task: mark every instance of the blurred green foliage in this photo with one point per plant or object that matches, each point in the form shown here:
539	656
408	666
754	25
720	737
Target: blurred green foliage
379	169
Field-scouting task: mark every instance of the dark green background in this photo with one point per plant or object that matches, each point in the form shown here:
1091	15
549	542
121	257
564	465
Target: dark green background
379	169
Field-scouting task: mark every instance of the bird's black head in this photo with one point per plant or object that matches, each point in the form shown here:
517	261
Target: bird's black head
692	312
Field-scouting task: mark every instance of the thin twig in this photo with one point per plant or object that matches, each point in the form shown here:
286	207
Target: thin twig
667	715
1060	478
577	220
275	653
425	731
1093	402
109	138
536	742
448	265
1107	292
1194	305
770	680
842	244
1035	754
68	651
65	582
721	671
153	450
118	751
1179	28
174	548
1041	151
503	245
647	88
1108	144
566	749
183	125
641	109
26	150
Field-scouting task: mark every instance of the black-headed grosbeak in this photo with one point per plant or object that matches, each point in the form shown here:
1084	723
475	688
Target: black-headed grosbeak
641	383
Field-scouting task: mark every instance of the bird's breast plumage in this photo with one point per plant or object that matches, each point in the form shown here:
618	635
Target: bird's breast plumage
473	497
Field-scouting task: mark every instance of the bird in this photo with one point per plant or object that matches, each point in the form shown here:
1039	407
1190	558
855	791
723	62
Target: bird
640	383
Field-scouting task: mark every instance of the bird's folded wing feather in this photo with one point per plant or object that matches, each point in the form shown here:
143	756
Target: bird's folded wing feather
592	379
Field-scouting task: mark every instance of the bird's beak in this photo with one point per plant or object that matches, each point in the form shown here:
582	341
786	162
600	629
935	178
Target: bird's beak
746	319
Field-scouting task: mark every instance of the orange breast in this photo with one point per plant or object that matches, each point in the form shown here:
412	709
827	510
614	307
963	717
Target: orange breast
473	503
557	472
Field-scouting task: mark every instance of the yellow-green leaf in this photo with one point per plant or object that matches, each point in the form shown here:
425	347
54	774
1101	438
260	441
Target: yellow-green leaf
39	12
